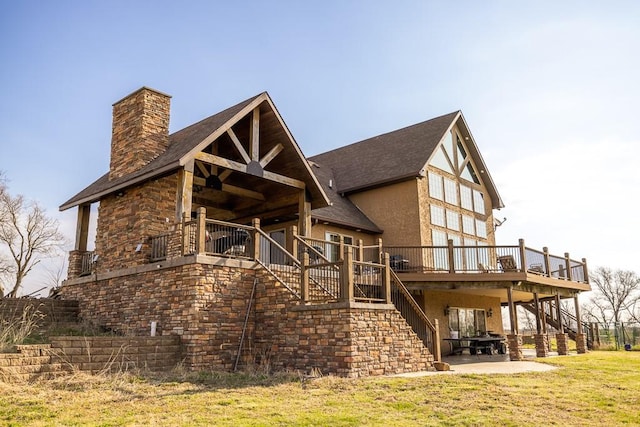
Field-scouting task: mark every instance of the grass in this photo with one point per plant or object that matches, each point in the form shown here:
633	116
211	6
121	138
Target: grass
601	388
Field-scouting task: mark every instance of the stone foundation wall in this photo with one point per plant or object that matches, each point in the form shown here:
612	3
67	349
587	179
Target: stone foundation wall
203	304
207	305
351	340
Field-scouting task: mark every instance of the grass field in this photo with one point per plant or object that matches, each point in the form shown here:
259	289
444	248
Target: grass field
599	388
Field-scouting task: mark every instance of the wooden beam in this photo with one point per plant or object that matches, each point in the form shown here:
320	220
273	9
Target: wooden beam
240	167
224	174
291	182
238	145
254	135
239	191
221	161
271	155
203	169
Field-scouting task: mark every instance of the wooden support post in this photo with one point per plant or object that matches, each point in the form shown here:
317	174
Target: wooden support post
559	314
567	261
380	253
544	315
523	255
82	227
346	278
255	251
578	320
304	280
292	242
201	230
186	235
304	212
360	250
386	282
436	342
547	261
184	190
451	255
512	312
341	247
536	300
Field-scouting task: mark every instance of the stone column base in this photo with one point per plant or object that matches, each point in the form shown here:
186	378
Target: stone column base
581	343
563	344
542	345
514	342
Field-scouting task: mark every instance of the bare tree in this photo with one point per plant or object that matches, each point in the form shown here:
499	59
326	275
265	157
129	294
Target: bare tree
615	292
28	235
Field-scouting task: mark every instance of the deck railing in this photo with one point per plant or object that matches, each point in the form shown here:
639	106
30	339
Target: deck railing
159	245
485	259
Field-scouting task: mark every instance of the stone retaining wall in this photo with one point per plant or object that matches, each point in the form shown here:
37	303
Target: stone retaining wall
114	354
51	311
89	354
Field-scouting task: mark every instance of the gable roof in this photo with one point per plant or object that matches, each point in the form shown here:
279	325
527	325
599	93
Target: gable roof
397	156
184	144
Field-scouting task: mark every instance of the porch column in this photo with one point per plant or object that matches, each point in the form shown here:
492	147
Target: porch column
346	277
581	338
561	337
185	190
541	340
304	212
82	227
201	232
514	340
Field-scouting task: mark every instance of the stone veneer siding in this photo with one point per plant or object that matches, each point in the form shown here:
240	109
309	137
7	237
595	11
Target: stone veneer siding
206	305
50	311
125	221
140	130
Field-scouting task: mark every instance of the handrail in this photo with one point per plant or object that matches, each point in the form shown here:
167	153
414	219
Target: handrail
414	316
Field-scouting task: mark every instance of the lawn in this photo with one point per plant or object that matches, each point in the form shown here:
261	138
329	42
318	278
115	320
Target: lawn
600	388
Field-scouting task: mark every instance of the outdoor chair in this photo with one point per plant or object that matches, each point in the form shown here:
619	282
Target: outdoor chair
398	263
507	263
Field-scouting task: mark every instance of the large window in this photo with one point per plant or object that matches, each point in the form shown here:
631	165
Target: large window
450	193
468	322
437	216
435	186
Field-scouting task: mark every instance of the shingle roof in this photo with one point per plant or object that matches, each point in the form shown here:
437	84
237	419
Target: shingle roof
341	211
180	143
385	158
397	156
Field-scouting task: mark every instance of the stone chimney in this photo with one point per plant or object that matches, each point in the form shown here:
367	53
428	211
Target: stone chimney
140	130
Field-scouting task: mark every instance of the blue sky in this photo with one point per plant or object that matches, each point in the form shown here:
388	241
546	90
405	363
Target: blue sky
547	88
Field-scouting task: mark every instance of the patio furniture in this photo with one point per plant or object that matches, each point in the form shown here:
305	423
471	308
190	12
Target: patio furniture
507	263
398	263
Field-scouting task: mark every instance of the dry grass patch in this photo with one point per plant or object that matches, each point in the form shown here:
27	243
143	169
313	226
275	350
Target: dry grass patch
601	388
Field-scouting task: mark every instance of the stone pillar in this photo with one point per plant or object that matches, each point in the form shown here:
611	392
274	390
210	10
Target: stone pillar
514	341
581	343
542	345
75	264
563	344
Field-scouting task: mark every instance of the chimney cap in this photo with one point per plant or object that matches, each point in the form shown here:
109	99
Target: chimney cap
139	90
